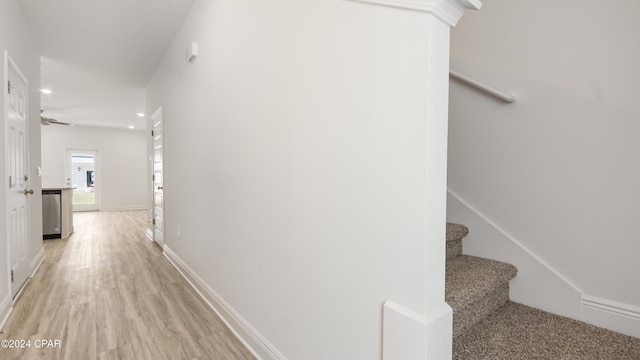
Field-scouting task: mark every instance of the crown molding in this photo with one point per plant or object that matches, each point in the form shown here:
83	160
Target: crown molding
449	11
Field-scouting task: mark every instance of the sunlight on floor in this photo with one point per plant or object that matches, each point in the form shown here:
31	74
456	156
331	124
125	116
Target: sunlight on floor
83	198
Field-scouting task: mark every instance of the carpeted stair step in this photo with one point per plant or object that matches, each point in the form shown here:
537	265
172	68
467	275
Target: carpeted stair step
455	234
475	288
521	332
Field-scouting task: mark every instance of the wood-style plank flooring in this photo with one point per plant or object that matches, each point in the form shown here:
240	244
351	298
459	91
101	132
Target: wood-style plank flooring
108	293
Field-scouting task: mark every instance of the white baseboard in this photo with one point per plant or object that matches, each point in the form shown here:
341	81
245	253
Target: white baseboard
612	315
408	335
6	307
37	261
259	346
149	233
404	333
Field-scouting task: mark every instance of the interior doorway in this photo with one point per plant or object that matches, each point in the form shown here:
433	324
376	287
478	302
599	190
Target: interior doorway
157	122
83	177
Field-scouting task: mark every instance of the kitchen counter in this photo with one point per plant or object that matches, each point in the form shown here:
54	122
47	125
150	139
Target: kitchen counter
57	223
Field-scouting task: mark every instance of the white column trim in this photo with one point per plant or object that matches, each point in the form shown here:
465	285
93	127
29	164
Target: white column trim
449	11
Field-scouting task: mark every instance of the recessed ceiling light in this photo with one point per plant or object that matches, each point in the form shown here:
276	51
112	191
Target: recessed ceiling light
131	127
140	114
46	91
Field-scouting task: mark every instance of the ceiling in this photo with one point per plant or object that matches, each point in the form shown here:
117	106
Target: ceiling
97	56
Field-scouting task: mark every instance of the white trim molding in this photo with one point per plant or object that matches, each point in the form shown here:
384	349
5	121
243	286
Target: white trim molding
449	11
537	284
149	234
259	346
404	332
612	315
37	261
6	307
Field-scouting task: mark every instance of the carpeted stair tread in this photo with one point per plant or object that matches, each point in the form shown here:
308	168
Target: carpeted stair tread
456	231
455	234
470	278
517	331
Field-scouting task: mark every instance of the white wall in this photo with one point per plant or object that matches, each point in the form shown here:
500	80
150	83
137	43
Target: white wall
557	170
15	37
122	157
295	169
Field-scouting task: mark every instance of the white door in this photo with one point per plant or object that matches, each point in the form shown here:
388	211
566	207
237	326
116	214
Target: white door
82	176
16	92
158	185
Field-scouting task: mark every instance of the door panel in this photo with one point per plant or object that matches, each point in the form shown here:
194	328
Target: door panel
18	191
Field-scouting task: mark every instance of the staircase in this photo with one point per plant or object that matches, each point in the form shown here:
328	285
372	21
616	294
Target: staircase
475	287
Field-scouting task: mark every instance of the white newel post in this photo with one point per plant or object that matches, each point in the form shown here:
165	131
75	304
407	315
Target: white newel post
407	334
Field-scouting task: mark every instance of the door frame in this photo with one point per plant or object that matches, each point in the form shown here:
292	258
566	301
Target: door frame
97	185
157	115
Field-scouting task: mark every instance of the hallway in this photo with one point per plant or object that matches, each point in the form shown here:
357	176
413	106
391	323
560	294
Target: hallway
108	293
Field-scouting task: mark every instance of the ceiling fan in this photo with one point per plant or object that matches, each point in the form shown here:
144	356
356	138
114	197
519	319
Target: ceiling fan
48	121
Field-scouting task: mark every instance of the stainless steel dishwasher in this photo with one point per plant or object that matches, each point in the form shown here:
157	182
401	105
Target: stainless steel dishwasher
51	214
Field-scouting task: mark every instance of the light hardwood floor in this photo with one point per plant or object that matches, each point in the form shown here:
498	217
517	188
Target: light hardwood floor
108	293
